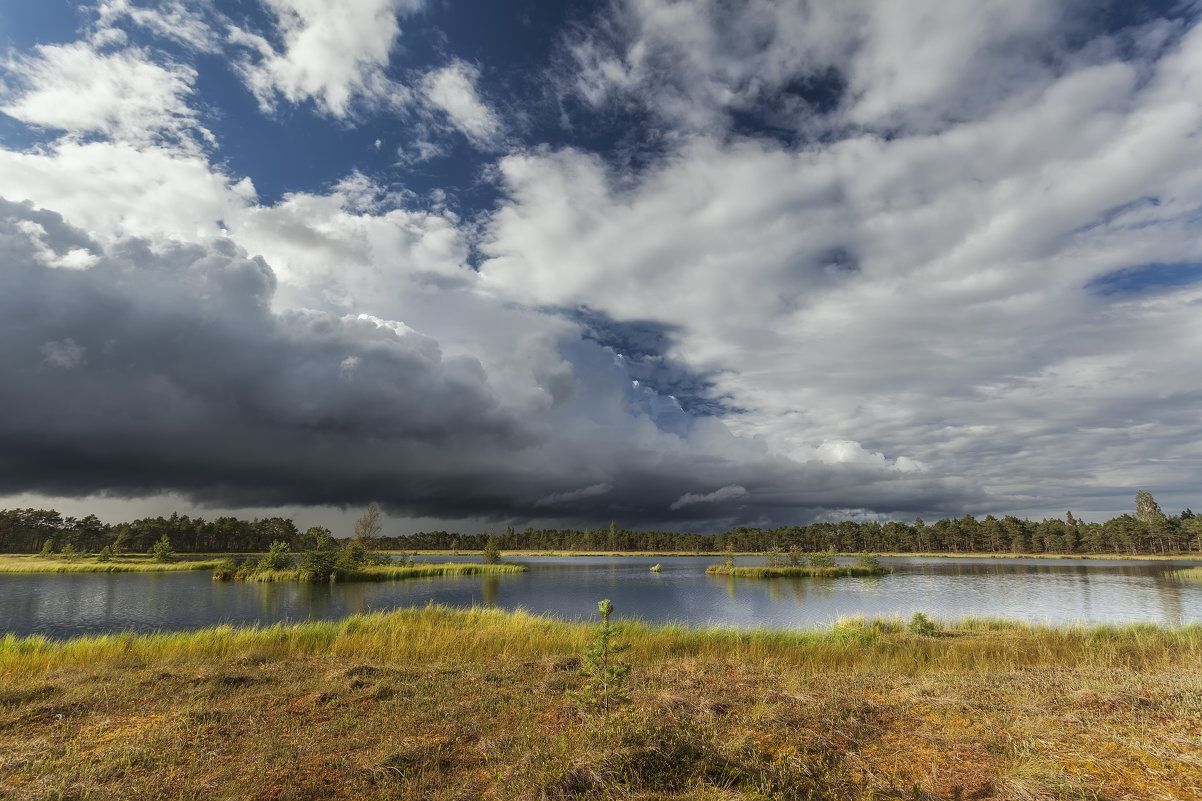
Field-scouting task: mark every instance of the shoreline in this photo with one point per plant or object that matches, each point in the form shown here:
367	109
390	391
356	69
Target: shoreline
35	563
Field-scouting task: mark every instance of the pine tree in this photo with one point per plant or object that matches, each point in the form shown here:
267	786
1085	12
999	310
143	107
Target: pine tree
605	676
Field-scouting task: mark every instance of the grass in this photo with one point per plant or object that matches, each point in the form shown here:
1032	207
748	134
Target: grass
1191	574
397	573
445	704
124	564
796	571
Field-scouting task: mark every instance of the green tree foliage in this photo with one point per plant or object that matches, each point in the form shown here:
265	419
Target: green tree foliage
162	551
277	557
492	552
604	674
1147	510
822	558
319	538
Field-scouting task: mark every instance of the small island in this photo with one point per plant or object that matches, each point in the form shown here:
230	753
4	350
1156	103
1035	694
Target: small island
394	572
798	571
798	564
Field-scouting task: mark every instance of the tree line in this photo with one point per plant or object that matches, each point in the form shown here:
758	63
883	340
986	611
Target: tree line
1148	531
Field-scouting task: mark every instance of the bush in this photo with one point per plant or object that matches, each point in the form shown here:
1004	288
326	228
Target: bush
492	553
226	569
317	566
921	624
69	553
277	557
822	558
868	560
105	555
162	551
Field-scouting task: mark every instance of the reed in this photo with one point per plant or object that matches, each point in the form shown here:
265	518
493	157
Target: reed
1188	574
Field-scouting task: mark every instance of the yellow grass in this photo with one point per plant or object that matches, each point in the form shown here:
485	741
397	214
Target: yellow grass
442	704
125	564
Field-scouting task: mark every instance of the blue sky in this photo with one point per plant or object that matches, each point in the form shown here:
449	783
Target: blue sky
670	264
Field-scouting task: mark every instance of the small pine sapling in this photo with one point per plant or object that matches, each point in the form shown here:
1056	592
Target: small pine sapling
605	676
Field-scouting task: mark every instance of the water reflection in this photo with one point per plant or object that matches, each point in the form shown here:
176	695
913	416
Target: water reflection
1062	591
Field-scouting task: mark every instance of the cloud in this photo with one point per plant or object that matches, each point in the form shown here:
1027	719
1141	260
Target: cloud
334	55
168	369
575	496
452	90
195	24
717	496
863	263
120	95
924	297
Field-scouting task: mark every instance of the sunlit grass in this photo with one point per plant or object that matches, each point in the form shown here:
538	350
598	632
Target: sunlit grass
796	571
40	564
442	704
397	573
1189	574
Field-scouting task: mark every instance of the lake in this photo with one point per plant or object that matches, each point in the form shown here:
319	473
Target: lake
1061	591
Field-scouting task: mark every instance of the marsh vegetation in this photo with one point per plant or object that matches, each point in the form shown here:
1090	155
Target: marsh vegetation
441	704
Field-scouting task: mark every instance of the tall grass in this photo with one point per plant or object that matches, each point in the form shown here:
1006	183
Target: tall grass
34	564
1190	574
443	634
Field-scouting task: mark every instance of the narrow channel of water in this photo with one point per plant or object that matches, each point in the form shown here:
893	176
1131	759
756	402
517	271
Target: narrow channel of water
1054	591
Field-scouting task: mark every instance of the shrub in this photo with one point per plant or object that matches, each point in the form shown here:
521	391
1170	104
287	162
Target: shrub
822	558
868	560
317	566
47	548
162	551
921	624
226	569
69	553
277	557
492	553
105	555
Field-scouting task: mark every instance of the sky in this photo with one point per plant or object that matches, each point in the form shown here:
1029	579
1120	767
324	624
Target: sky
678	265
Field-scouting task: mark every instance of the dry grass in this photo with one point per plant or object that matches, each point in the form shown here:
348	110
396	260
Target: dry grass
441	704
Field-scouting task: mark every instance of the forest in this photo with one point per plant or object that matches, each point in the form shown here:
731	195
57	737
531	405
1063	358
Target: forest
1148	531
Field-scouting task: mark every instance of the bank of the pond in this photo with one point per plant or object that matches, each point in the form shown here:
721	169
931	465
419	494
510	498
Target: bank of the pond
796	571
439	704
38	564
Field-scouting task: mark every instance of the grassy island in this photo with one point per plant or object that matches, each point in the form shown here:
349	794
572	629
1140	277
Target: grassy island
798	571
441	704
375	572
40	564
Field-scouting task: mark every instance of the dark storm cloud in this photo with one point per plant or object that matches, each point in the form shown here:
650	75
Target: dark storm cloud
133	370
169	370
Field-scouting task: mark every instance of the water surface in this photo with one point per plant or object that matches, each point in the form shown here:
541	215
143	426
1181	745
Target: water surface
1059	591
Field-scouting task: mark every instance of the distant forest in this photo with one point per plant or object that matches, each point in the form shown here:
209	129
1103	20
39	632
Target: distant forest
1149	531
